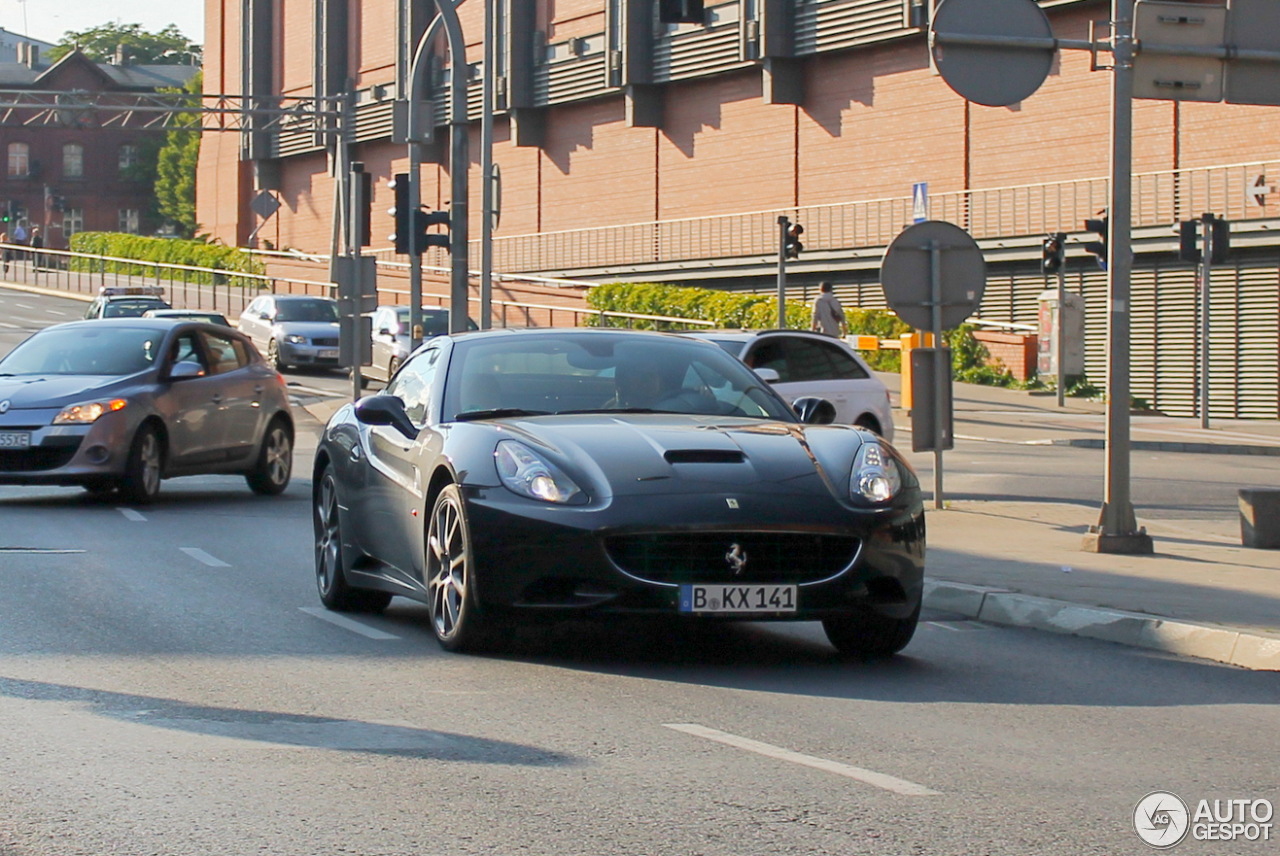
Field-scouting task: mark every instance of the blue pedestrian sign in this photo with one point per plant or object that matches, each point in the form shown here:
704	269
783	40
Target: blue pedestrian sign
919	202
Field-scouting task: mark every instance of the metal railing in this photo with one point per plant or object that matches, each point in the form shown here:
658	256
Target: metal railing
1159	199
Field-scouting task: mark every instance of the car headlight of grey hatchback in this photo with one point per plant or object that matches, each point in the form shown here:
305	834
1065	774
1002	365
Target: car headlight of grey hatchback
295	339
875	476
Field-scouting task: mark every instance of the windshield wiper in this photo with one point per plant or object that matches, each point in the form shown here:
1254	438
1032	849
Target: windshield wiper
498	413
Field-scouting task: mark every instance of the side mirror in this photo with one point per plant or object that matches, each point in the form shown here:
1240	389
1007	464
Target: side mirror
768	375
386	410
264	316
185	371
814	411
385	331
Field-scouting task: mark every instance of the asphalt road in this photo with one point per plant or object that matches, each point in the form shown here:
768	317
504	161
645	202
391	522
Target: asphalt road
169	685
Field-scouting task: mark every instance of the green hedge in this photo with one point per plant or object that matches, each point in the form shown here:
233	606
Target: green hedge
733	310
166	250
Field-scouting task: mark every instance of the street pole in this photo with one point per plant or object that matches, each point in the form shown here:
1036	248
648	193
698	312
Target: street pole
415	259
1206	268
941	373
1060	328
486	169
1117	529
355	206
784	224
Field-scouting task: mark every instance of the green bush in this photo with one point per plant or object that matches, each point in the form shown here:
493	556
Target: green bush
169	251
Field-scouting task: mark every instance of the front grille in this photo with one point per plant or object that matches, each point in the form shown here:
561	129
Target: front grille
325	343
36	458
702	557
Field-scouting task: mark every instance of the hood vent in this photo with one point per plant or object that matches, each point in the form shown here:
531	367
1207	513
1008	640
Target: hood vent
704	456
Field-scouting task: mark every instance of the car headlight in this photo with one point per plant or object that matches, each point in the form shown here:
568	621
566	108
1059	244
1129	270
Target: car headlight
524	472
295	339
82	414
875	476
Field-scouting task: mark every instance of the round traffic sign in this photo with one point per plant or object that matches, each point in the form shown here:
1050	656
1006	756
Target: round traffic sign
907	277
995	76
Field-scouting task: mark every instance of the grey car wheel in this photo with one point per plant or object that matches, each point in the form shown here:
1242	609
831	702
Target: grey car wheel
273	356
331	572
270	475
144	467
450	573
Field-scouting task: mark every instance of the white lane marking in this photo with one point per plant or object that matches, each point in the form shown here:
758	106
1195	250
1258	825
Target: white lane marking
345	623
58	312
201	556
870	777
24	305
130	514
10	326
40	550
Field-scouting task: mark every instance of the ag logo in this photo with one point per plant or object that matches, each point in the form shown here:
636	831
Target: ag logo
1161	819
4	406
737	559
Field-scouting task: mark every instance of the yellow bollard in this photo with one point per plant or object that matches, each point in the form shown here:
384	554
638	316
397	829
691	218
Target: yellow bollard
910	341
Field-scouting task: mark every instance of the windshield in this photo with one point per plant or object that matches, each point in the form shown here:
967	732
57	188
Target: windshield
131	308
435	322
590	372
86	350
307	309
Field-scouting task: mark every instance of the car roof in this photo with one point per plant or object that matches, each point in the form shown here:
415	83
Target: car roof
279	298
163	323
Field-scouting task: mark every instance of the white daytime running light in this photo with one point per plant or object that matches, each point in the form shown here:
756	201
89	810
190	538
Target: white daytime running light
527	474
875	476
83	414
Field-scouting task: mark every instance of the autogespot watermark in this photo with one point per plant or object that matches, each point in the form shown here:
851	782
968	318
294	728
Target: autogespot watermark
1163	820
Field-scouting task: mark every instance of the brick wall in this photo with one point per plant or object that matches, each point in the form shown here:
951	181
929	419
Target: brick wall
1016	352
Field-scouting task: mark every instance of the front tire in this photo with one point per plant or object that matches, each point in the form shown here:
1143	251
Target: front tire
392	368
458	623
270	474
144	467
273	356
866	633
331	571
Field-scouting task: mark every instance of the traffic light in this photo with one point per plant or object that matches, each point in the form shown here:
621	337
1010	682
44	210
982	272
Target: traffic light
1221	239
1189	239
1055	253
681	12
792	245
411	235
1098	226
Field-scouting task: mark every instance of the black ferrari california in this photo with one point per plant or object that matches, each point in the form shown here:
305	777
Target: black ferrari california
510	474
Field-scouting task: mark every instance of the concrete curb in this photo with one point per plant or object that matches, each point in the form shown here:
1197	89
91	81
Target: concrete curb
1001	606
1159	446
47	292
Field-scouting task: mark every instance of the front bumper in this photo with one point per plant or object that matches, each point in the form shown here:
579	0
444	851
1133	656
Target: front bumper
67	454
534	557
309	354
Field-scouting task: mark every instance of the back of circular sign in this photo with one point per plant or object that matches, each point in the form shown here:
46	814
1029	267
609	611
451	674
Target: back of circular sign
906	274
992	76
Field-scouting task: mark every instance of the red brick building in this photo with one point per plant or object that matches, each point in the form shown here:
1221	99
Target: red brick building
68	173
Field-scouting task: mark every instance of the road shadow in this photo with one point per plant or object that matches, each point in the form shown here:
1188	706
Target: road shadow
288	729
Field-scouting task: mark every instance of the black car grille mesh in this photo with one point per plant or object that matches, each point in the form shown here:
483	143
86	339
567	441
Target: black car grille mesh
325	343
36	459
704	557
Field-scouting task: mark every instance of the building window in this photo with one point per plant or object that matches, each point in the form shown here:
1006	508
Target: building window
72	222
129	220
19	160
73	161
128	157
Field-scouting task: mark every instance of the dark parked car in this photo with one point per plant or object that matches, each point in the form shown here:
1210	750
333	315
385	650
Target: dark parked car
516	473
189	315
123	403
125	302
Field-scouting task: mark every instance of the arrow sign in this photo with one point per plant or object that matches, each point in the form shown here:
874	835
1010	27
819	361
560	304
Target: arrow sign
1261	189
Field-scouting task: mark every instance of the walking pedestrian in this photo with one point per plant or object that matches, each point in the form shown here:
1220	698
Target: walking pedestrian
828	314
37	244
4	250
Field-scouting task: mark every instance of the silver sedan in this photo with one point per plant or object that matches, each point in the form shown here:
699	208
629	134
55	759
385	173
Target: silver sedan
120	404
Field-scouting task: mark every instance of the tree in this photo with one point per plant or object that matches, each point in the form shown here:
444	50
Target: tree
176	170
100	44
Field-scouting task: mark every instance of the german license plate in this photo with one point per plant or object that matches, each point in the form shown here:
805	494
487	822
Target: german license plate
725	599
15	439
329	354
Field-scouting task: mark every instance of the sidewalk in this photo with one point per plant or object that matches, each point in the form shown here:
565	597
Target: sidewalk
995	415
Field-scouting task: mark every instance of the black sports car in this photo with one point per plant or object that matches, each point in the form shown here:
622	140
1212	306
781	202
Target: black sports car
519	473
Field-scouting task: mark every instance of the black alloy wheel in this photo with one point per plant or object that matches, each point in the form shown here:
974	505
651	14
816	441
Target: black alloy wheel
451	581
866	633
271	472
144	467
331	576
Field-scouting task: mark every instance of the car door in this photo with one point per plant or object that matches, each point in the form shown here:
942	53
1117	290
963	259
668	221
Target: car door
242	386
394	487
253	323
191	406
384	340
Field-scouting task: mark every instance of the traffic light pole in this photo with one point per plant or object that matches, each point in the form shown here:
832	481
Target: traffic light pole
1117	530
1206	269
784	224
486	169
1060	331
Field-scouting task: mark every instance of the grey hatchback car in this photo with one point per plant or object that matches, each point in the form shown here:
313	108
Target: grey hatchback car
293	329
120	404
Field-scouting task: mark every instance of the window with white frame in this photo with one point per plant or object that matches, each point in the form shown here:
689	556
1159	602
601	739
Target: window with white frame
128	156
72	221
19	160
73	160
129	220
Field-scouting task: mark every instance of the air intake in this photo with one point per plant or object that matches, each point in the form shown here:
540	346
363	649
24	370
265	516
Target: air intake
704	456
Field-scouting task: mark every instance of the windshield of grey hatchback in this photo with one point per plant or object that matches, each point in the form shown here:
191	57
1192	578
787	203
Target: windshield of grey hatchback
85	350
306	310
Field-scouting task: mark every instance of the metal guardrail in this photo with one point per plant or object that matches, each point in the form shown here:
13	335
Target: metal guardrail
1159	199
